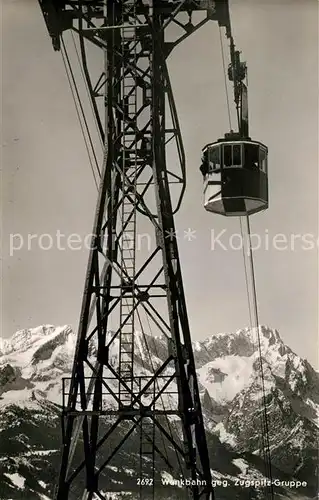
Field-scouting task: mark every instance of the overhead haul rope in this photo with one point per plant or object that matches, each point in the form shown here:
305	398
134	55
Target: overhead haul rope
252	304
225	78
80	112
254	323
246	274
87	87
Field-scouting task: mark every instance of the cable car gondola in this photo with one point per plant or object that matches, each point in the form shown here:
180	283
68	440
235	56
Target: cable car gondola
235	176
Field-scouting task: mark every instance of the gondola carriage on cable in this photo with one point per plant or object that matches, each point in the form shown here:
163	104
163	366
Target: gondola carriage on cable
235	176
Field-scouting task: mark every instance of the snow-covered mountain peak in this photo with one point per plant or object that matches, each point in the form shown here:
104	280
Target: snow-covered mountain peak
245	342
229	368
34	361
28	338
227	363
268	336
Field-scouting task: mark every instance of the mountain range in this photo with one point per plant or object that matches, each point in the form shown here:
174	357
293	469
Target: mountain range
34	361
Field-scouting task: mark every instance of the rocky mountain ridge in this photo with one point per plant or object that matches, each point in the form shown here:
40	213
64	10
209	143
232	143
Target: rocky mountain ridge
34	361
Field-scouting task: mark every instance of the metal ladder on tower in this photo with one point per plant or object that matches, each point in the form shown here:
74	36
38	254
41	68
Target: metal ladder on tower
147	457
128	215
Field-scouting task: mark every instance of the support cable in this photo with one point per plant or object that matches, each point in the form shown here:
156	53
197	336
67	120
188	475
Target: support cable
87	88
225	78
256	328
80	122
252	298
77	101
246	275
246	253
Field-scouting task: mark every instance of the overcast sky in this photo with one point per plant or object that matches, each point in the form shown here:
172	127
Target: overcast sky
48	186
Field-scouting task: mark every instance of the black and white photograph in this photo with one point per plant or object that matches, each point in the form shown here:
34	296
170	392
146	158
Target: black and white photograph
159	250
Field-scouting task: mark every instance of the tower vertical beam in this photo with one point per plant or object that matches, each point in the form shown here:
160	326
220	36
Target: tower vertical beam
189	400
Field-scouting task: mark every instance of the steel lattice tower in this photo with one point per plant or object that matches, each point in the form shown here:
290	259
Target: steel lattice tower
107	401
